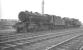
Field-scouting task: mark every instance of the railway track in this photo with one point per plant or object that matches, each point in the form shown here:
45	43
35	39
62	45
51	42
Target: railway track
27	41
32	40
24	36
71	44
48	43
17	36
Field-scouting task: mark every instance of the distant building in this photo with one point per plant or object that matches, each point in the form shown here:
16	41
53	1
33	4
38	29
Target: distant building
7	23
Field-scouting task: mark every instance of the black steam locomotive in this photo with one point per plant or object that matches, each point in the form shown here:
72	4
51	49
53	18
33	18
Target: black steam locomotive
30	22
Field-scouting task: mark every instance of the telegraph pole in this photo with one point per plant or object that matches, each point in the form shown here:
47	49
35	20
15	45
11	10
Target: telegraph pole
0	8
43	6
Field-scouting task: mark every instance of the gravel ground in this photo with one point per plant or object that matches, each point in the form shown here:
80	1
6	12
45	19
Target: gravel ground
42	45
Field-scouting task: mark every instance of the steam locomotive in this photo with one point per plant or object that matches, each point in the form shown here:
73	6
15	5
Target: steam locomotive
30	22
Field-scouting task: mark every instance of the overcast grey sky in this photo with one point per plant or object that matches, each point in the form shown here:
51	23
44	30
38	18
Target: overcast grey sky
63	8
